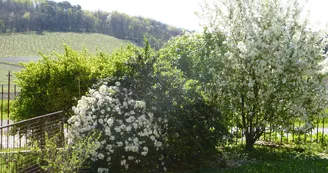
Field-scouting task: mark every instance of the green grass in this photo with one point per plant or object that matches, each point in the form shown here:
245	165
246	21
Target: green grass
10	161
21	44
268	160
4	111
297	165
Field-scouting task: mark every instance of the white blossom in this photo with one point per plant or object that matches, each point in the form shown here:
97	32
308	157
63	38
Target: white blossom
106	109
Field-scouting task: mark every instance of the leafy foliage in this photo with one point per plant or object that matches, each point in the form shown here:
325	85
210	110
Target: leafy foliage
178	108
67	159
53	84
271	71
192	54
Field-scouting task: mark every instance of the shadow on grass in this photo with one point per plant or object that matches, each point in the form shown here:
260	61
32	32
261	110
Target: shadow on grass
268	160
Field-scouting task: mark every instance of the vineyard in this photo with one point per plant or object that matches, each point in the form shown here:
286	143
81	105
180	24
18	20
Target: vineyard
20	44
20	47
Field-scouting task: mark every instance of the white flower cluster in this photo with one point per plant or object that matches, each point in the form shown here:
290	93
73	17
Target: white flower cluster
128	130
272	62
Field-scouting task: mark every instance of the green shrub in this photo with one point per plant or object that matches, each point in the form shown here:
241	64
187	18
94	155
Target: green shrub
56	83
67	159
191	127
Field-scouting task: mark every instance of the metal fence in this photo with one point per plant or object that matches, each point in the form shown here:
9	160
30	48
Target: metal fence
8	93
17	138
317	134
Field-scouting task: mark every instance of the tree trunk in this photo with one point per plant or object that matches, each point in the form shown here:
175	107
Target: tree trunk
250	141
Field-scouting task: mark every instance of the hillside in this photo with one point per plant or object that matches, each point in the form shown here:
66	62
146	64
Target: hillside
40	16
19	44
15	48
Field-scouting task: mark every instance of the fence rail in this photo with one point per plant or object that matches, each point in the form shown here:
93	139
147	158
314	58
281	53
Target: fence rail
11	95
8	92
16	140
317	134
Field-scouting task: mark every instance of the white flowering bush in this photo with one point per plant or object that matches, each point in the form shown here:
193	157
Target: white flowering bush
129	132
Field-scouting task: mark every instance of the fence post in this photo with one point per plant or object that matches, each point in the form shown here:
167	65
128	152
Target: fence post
281	133
237	136
318	130
270	133
15	91
1	112
8	111
293	134
287	131
264	133
63	130
323	128
242	136
42	134
311	135
9	75
299	132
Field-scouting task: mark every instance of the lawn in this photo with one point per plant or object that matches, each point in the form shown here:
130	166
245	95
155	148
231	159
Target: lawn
297	165
268	160
4	110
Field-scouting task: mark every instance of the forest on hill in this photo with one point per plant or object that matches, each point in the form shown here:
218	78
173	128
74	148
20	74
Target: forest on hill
47	15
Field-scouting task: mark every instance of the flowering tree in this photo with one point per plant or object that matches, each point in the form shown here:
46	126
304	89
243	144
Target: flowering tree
270	71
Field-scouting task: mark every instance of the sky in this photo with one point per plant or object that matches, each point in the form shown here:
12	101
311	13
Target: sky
180	13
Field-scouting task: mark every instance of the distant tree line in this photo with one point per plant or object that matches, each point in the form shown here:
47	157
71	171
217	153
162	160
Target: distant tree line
46	15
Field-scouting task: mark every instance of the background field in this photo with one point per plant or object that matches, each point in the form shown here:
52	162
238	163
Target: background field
4	71
20	44
24	47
